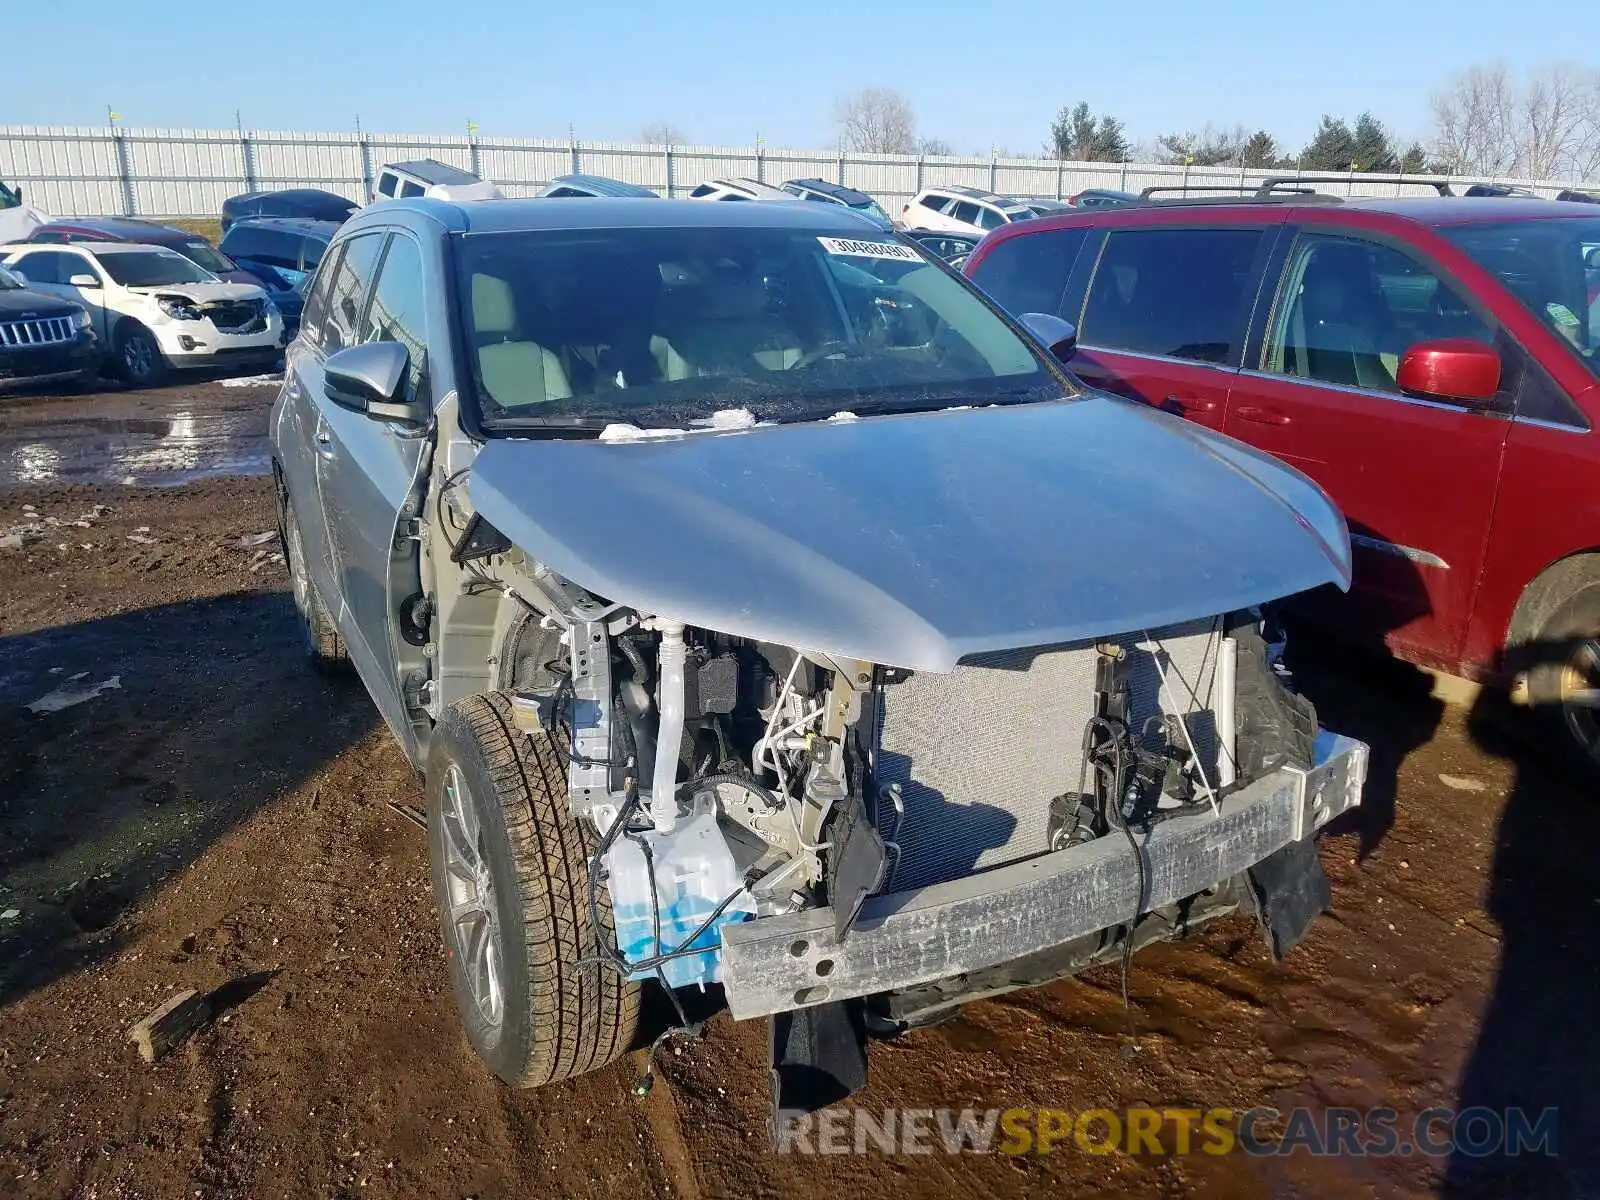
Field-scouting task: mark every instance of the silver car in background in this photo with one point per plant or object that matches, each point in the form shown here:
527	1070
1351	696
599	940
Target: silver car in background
763	607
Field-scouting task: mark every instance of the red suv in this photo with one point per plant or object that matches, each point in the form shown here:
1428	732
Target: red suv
1433	363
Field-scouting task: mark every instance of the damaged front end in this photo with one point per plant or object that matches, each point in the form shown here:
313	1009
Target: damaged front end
988	760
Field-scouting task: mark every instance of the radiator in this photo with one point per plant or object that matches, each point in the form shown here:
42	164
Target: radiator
980	753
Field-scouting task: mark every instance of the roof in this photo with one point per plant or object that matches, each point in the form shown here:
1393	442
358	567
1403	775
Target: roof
1467	210
1430	211
762	191
837	190
95	248
603	185
121	228
431	170
961	189
584	212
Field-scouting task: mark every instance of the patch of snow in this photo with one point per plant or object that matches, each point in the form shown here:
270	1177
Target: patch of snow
73	691
253	381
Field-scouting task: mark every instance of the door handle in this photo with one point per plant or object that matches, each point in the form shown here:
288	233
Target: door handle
1184	405
1262	416
324	441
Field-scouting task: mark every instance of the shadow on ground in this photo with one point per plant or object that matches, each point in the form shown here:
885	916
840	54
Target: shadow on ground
1538	1046
215	713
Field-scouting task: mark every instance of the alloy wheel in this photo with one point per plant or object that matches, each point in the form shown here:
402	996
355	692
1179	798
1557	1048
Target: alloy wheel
473	916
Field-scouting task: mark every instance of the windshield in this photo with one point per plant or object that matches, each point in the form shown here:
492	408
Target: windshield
871	208
664	327
8	198
1551	266
206	255
152	268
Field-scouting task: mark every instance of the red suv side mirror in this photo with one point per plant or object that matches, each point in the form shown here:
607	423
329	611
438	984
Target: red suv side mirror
1458	369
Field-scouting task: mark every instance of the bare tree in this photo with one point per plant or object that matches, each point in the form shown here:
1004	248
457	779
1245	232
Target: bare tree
1474	123
934	146
663	133
876	121
1553	113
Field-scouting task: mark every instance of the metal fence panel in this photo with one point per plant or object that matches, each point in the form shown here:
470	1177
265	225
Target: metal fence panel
96	170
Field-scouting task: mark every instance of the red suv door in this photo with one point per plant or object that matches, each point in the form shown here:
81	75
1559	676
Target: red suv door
1416	478
1167	310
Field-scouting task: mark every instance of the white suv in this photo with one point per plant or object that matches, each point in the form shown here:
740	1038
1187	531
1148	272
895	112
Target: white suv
153	308
954	209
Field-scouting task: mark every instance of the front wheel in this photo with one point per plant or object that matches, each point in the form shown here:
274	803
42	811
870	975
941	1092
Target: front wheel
139	360
511	877
1567	683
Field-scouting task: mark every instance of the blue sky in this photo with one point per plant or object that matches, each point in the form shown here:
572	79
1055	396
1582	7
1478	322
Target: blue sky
724	71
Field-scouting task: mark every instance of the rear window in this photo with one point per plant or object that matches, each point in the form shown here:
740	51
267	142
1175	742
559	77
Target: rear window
1029	274
1180	293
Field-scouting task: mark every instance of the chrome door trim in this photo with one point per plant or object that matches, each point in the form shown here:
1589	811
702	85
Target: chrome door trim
1421	557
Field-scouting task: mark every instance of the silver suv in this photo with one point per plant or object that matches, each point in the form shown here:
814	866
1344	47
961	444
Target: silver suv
764	607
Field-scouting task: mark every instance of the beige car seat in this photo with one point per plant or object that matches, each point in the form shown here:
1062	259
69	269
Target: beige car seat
515	373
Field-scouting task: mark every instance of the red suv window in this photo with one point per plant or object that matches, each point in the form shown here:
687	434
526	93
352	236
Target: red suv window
1181	293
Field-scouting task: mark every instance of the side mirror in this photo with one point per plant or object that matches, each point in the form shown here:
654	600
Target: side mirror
1456	369
368	379
84	280
1060	337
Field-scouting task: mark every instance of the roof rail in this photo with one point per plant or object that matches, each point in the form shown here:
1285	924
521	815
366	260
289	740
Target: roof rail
1289	183
1186	188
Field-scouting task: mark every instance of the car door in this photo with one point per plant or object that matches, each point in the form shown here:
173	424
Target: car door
333	304
1416	478
365	472
1167	312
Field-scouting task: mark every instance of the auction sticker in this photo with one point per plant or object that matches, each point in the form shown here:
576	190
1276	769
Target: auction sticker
869	249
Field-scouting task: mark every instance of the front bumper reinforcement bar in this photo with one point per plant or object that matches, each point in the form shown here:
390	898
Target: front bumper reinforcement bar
777	964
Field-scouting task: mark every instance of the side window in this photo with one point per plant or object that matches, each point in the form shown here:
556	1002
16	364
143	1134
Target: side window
934	201
37	268
316	308
1349	309
312	251
562	193
386	184
1029	274
990	218
68	265
964	211
277	248
1182	293
397	312
341	320
48	235
701	192
411	188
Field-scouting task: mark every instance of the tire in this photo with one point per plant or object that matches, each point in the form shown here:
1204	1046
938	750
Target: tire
139	360
510	875
1564	650
324	647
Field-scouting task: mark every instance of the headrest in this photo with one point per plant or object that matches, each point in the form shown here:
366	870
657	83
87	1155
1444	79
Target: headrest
494	309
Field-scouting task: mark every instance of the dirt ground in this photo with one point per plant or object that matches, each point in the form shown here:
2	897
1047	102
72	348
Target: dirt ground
220	818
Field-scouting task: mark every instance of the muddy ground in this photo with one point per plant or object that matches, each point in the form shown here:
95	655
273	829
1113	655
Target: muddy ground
221	818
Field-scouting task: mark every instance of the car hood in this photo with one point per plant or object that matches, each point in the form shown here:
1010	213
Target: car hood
914	541
204	293
17	304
